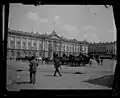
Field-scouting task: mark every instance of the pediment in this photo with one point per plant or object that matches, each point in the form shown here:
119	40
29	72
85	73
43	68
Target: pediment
54	37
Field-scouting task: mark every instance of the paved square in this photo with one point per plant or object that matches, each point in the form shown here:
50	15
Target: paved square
18	76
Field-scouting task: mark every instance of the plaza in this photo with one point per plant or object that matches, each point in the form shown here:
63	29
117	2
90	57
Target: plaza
72	77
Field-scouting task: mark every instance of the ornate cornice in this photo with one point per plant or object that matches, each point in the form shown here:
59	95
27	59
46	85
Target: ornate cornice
44	36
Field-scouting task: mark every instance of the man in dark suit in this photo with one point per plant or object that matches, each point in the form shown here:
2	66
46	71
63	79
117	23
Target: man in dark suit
56	60
33	68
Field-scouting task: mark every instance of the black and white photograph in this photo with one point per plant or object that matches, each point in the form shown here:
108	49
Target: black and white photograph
61	47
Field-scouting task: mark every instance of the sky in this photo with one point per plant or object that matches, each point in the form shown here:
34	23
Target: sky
93	23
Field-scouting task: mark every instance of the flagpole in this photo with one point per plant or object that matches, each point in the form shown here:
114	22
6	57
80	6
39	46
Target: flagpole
54	25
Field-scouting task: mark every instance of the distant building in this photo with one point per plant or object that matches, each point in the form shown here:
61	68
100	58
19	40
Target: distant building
22	44
102	48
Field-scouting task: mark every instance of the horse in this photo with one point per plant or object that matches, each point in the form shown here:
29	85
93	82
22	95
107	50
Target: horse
84	59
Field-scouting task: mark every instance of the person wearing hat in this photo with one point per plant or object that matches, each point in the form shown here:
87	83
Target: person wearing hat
33	68
56	63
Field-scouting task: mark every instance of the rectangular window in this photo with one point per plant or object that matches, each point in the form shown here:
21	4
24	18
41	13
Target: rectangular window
18	43
65	47
24	43
12	42
13	53
70	47
45	44
74	48
34	44
49	46
83	48
40	53
57	46
61	46
30	44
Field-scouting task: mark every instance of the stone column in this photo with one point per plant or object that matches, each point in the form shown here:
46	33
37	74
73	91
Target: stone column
60	48
74	48
32	43
46	45
43	45
10	43
86	49
78	49
27	43
43	48
21	44
37	44
15	42
68	48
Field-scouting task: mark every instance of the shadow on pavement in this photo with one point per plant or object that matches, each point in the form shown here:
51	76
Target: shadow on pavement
52	75
19	70
23	82
103	81
78	73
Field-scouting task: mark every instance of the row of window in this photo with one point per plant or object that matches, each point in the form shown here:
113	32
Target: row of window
15	42
102	49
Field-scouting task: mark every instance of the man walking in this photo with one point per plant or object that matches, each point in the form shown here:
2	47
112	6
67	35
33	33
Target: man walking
101	61
56	64
98	59
33	68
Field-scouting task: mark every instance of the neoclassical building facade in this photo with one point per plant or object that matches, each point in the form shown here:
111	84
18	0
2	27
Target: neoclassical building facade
22	44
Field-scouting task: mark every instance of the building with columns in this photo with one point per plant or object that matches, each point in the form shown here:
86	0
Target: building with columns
22	44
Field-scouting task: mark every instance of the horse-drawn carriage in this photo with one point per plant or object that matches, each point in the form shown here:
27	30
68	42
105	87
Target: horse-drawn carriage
80	60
